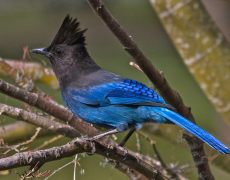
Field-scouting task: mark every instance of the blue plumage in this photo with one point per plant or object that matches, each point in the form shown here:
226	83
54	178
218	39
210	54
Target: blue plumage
193	129
104	98
125	103
115	104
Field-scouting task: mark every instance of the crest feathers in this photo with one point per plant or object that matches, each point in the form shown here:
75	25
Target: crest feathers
69	33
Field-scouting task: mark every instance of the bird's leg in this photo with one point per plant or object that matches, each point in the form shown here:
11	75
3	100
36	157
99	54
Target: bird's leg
114	131
126	138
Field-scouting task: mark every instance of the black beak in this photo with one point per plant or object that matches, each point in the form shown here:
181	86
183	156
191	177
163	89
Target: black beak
42	51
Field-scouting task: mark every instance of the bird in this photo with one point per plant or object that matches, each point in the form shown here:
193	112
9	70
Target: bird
106	99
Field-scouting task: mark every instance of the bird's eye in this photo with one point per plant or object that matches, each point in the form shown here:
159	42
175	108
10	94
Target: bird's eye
58	51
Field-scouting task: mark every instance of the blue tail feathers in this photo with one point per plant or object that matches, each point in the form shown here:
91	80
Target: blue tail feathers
193	129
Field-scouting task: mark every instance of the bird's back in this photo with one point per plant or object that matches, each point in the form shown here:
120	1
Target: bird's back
90	79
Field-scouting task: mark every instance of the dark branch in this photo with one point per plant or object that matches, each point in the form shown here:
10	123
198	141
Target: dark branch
172	97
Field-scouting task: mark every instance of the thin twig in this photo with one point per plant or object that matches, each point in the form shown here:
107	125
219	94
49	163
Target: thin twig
133	64
138	142
18	131
33	172
17	146
49	141
59	169
30	70
157	78
172	172
75	167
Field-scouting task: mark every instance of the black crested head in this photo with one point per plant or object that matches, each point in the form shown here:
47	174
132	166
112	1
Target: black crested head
69	33
67	53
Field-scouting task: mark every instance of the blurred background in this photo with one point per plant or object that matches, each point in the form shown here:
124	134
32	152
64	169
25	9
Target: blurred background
34	23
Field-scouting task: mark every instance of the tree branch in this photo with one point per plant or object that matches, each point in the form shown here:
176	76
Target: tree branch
172	97
78	146
141	164
38	120
47	105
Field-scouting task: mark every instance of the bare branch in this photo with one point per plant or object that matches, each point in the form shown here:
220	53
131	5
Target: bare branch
47	105
60	168
49	141
157	78
37	120
12	68
19	145
132	160
171	171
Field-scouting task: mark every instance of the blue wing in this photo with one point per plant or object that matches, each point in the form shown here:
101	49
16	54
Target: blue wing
122	92
137	104
113	103
132	92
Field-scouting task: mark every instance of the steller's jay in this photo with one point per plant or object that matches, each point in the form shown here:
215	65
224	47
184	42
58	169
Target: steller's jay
107	99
